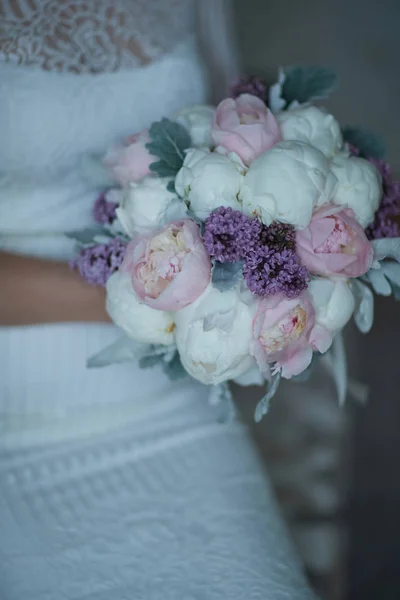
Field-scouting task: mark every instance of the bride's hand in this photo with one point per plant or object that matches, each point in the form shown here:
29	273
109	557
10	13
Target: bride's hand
42	291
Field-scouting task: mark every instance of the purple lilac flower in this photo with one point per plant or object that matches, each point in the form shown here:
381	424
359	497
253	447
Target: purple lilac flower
229	234
383	225
96	264
104	211
269	270
279	236
250	85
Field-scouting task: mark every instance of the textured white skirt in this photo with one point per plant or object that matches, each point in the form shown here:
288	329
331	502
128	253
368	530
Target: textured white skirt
118	484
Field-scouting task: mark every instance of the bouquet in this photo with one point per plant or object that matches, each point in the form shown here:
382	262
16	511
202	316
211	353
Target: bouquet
236	242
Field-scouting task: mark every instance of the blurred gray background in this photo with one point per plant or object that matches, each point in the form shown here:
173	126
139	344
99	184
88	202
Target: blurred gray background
360	40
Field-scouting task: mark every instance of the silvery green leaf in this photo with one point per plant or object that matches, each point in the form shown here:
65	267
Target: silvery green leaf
226	276
220	396
263	406
122	350
336	362
275	101
90	235
154	350
379	282
151	360
171	186
219	320
169	140
95	172
396	291
387	247
391	270
364	313
174	368
305	84
369	144
167	357
358	390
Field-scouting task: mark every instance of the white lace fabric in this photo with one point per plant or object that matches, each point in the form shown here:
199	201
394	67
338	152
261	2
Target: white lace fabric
91	36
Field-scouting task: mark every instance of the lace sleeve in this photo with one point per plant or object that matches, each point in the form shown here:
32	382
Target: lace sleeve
92	36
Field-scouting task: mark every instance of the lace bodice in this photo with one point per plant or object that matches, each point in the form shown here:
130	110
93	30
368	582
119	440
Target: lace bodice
91	36
76	77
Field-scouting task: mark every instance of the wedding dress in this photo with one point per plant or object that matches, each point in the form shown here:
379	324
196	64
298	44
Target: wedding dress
114	484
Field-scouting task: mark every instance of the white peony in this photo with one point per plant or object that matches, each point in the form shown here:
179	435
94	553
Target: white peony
313	126
333	302
213	336
285	183
139	321
359	187
145	205
198	121
210	180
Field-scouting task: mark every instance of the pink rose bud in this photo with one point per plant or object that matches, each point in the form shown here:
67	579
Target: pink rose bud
130	162
334	243
286	335
245	126
171	269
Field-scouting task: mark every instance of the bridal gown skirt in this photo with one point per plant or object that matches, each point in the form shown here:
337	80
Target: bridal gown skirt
119	485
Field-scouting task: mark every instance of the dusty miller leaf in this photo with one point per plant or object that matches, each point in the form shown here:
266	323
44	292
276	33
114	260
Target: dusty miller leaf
169	140
305	84
167	358
340	367
386	279
391	270
364	313
263	406
336	364
122	350
276	102
174	368
221	397
90	235
387	247
154	354
225	276
171	186
396	292
369	144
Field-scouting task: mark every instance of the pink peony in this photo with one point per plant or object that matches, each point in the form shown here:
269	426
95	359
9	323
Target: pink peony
245	126
130	162
334	243
285	333
170	269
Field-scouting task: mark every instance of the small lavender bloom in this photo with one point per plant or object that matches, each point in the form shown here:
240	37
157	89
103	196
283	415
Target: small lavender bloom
279	236
96	264
383	225
229	234
272	271
104	211
250	85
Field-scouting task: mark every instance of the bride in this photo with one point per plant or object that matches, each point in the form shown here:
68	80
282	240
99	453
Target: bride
114	484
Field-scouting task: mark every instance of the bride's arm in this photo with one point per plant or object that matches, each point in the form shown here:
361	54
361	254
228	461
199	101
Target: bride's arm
42	291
